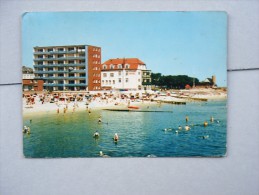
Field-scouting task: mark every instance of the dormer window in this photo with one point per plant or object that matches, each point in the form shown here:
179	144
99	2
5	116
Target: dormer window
104	66
119	66
127	66
112	66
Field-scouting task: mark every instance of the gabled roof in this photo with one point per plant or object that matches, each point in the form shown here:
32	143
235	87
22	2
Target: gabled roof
132	62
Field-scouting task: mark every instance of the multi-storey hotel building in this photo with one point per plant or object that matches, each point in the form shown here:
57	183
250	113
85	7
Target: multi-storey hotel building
73	67
125	73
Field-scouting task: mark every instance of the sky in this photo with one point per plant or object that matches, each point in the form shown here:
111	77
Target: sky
171	43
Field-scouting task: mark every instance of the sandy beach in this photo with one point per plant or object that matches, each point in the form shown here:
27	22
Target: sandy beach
60	103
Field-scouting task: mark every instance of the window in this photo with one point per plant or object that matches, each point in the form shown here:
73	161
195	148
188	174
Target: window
138	73
82	75
127	80
112	67
104	67
60	69
119	80
40	63
104	74
138	80
60	62
119	66
102	81
60	75
50	62
111	74
50	50
106	82
113	82
40	56
60	49
71	61
82	81
60	56
127	66
119	73
50	56
71	49
40	50
127	72
110	82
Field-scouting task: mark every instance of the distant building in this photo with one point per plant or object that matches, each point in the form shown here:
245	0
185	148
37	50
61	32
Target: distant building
207	83
28	81
70	67
125	74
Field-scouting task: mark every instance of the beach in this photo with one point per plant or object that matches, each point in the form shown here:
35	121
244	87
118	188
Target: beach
60	102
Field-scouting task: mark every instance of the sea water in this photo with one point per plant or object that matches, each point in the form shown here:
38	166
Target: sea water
141	134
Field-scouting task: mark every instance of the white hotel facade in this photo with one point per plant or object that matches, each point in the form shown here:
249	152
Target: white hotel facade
125	74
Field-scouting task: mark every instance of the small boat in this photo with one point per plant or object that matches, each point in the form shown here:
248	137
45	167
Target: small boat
133	107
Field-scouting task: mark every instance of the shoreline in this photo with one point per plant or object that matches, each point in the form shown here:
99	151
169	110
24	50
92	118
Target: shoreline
53	105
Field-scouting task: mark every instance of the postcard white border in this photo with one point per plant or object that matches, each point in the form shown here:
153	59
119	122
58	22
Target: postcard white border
238	173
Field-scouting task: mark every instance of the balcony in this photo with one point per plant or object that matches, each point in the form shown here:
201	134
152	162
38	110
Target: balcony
59	71
65	85
57	52
59	65
61	58
60	78
146	83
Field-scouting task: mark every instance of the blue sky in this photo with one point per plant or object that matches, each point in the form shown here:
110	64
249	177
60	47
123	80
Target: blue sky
172	43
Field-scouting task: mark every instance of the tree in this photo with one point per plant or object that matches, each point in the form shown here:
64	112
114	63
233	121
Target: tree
172	82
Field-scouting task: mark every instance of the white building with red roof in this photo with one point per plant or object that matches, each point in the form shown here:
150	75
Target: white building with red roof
126	74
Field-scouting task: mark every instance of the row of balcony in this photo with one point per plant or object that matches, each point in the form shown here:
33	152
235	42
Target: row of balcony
59	78
59	65
59	71
65	85
61	58
57	52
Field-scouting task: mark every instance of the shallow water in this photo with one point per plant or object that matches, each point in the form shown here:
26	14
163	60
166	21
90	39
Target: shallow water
141	134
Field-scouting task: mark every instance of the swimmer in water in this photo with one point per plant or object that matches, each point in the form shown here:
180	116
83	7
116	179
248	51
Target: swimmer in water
116	137
100	119
96	134
211	119
180	127
205	123
186	119
187	128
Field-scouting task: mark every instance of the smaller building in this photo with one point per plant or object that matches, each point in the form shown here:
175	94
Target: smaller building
207	83
29	83
125	74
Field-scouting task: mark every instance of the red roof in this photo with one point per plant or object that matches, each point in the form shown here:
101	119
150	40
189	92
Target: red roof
132	62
